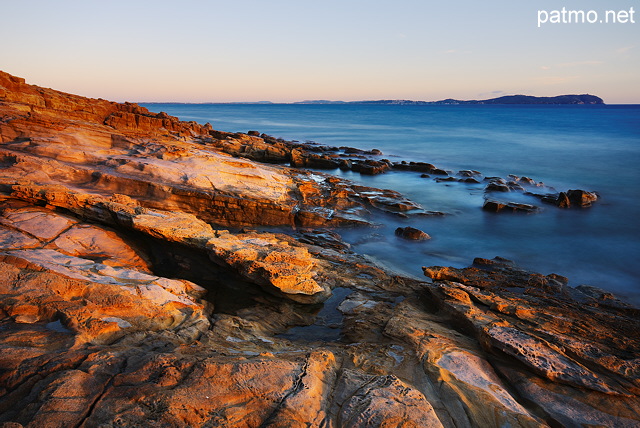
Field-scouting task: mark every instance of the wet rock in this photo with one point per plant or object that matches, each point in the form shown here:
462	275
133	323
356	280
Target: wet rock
562	200
300	159
496	206
501	273
527	180
412	233
470	180
497	185
445	180
581	198
513	185
324	238
345	165
570	198
414	166
369	167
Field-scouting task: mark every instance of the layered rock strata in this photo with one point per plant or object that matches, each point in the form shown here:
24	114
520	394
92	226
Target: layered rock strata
99	147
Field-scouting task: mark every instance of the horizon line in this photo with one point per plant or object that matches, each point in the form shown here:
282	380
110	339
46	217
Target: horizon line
404	101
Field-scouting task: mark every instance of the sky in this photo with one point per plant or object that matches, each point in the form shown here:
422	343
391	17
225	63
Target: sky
286	50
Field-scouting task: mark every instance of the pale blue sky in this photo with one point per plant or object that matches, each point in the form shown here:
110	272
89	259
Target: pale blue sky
285	50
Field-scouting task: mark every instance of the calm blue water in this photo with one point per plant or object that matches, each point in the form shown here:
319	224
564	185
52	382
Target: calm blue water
594	148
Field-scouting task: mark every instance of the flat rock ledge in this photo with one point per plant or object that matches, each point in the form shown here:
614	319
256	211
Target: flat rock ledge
127	298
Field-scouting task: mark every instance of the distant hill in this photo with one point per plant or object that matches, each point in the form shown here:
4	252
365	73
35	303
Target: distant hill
508	99
527	99
320	102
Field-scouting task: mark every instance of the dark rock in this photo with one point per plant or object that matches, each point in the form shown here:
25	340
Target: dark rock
582	198
425	176
353	150
563	200
499	273
497	185
324	238
527	180
412	233
571	198
513	185
300	159
370	167
345	165
254	133
495	206
448	179
415	166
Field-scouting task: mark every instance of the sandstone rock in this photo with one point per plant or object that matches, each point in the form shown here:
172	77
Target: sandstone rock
543	359
161	162
563	200
370	167
12	239
533	327
39	223
387	401
412	233
497	185
415	166
470	180
581	198
44	285
95	243
495	206
571	198
345	165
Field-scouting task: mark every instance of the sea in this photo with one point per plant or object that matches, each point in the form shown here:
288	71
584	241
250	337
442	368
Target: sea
589	147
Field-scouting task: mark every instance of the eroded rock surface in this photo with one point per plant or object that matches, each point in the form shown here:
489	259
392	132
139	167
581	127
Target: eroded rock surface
99	147
124	301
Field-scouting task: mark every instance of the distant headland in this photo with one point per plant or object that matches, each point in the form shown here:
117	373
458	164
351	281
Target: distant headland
507	99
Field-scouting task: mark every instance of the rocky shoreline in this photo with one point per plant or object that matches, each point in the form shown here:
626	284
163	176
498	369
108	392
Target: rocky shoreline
134	291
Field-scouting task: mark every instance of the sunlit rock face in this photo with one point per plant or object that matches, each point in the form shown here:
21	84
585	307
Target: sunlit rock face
104	148
128	298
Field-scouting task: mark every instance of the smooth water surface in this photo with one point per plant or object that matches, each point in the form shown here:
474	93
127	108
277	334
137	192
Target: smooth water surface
595	148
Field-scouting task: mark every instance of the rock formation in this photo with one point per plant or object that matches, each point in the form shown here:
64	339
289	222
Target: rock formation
412	233
133	293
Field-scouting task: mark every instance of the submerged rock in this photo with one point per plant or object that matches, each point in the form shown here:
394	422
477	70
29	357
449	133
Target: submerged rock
496	206
568	199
